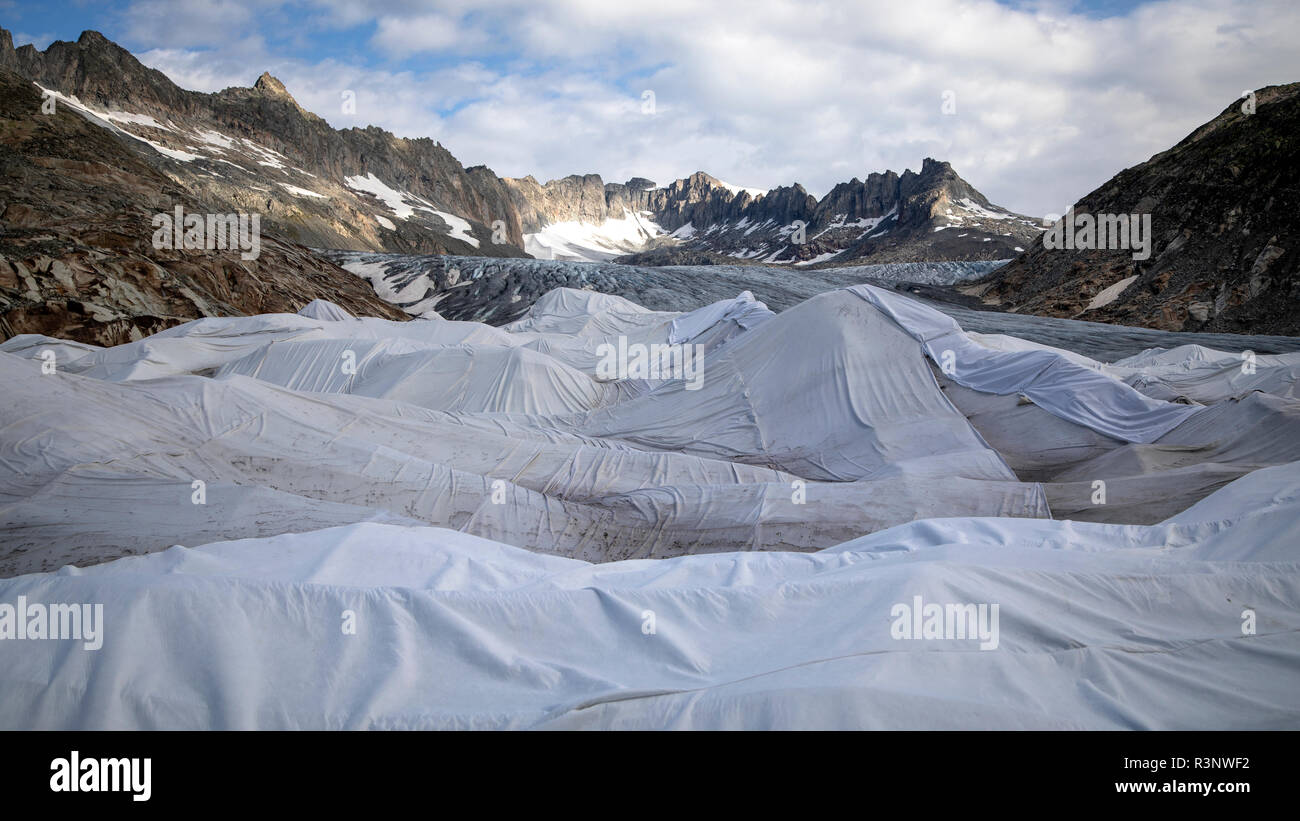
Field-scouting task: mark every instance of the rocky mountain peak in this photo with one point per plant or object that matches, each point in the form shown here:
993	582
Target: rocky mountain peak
272	87
93	39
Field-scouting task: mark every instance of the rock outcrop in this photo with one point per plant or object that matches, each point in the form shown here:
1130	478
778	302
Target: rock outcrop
1224	207
77	259
257	149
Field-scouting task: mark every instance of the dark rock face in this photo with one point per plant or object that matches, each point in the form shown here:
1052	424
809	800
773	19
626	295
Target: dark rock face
96	70
305	153
1225	217
784	205
698	199
572	199
76	254
873	198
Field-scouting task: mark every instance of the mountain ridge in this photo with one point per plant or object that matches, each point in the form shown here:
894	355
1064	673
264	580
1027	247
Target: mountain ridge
700	214
367	189
76	257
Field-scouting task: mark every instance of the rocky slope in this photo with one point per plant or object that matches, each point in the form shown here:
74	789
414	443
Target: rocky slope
256	149
76	254
1224	206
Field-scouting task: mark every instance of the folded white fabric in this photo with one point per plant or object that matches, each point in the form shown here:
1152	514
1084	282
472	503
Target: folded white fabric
1052	381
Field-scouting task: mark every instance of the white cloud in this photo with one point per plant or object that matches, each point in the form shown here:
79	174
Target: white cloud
186	23
1050	104
424	32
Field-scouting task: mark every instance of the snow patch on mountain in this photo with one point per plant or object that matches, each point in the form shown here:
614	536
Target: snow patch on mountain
1110	294
736	189
391	197
105	119
460	228
404	204
300	192
574	241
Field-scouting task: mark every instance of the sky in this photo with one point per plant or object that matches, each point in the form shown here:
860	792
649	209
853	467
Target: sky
1034	102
